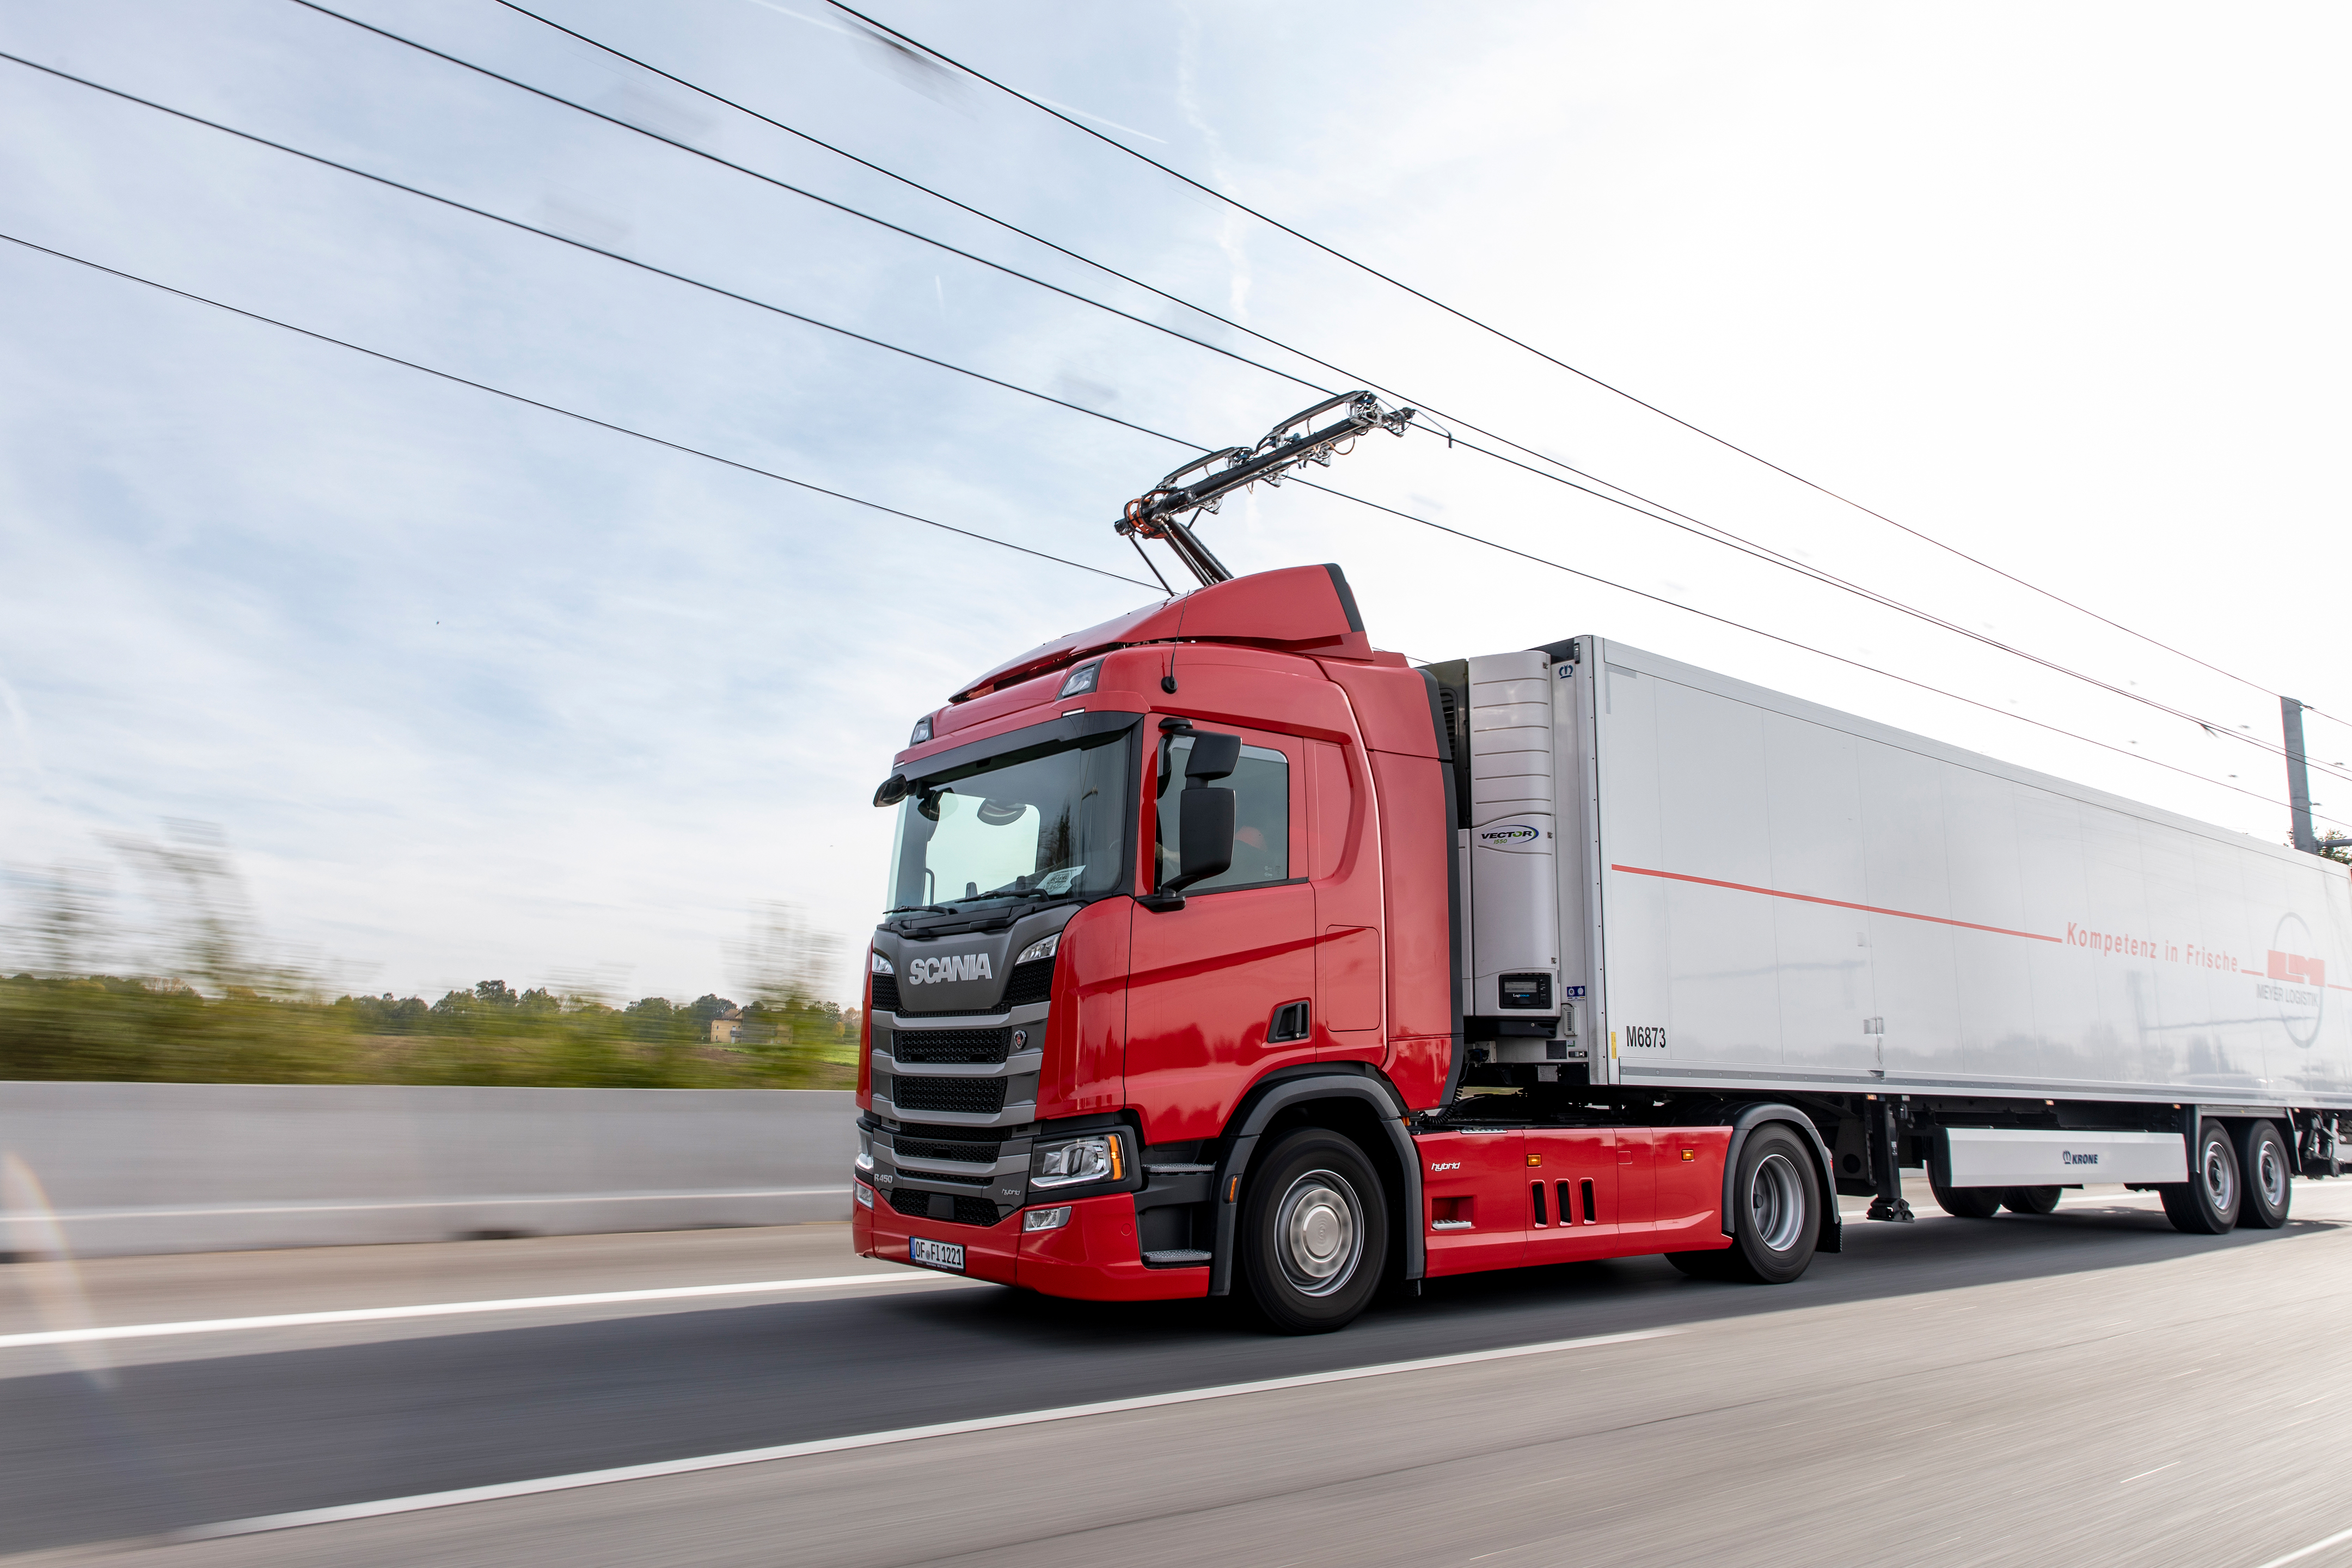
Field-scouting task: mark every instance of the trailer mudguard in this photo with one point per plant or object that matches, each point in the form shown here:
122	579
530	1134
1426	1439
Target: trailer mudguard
1831	1238
1260	1107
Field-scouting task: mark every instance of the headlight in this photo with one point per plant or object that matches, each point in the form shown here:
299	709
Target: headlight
1096	1158
922	732
865	1150
864	1194
882	965
1044	947
1081	680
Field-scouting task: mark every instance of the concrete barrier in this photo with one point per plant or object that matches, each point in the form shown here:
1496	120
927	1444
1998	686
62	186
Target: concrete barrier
178	1167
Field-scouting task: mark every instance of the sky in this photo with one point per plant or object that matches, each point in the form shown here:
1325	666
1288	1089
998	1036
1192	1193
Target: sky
464	687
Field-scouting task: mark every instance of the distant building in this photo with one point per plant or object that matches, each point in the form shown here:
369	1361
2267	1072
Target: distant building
726	1028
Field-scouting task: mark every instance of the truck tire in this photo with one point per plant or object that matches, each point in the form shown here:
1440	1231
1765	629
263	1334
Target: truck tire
1314	1234
1968	1202
2269	1179
1776	1218
2206	1204
2032	1200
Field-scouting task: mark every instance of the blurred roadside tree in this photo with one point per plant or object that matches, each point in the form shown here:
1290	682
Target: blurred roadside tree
191	998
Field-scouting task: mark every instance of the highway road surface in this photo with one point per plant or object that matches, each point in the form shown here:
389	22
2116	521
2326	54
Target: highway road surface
2084	1388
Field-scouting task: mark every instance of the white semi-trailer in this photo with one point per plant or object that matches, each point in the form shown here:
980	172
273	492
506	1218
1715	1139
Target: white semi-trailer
2020	982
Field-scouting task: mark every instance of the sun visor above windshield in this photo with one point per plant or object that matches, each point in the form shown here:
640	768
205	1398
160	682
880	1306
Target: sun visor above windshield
1299	609
1036	738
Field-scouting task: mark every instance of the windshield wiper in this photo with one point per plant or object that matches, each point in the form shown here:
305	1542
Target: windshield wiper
920	909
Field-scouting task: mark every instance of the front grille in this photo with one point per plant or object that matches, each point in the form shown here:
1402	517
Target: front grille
1030	982
943	1205
950	1045
971	1096
886	994
946	1149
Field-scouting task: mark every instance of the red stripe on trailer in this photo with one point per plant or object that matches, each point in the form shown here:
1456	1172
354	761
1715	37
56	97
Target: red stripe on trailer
1839	903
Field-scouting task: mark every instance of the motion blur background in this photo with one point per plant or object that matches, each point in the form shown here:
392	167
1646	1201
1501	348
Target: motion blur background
318	674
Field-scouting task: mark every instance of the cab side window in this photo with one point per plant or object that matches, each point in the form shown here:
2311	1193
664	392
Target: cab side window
1261	785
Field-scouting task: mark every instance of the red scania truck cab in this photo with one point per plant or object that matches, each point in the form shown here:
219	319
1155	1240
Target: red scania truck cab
1227	953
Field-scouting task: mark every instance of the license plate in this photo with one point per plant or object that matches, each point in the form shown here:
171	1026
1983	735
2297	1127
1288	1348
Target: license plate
935	1254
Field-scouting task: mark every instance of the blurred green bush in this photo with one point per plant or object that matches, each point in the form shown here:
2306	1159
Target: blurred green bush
104	1026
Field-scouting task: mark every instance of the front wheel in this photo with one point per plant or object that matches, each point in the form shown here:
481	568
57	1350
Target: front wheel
2031	1200
1314	1232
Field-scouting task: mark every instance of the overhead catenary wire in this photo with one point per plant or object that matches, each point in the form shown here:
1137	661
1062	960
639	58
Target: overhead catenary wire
1656	511
736	464
1610	387
1693	525
618	429
1708	531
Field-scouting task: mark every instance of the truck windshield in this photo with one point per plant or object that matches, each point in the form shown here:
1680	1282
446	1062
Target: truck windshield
1050	824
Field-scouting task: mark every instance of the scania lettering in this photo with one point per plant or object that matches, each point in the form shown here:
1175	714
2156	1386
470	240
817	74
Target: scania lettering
1278	965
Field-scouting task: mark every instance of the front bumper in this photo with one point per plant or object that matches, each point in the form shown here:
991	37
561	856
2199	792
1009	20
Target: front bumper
1095	1258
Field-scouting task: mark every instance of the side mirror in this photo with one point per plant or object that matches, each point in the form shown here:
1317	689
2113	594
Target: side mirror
1205	816
892	790
1214	757
1204	820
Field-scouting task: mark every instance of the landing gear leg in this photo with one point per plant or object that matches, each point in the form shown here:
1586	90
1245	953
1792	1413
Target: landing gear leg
1885	1165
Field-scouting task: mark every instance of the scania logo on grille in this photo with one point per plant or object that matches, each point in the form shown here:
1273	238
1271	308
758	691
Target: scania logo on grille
1019	1039
962	966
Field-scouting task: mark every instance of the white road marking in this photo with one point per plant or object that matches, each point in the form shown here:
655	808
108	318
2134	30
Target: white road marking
2145	1474
454	1308
424	1500
2339	1539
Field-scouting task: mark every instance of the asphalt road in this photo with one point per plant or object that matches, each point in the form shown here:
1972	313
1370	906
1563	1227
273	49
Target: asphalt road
2088	1388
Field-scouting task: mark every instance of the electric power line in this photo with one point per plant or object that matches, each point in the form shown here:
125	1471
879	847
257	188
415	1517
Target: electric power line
1238	206
1039	554
558	408
1647	506
1706	531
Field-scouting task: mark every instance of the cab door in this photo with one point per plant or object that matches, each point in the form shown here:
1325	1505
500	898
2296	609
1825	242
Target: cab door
1222	991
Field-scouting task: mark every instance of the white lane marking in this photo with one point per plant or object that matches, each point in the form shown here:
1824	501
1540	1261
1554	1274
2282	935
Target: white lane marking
424	1500
2145	1474
492	1200
455	1309
2339	1539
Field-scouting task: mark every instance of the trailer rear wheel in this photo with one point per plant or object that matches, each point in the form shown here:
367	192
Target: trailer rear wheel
2206	1204
1776	1217
2031	1200
1968	1202
2269	1179
1314	1232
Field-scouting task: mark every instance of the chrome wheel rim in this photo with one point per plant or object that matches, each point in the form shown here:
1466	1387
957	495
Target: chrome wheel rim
1776	1202
1319	1232
2221	1178
2270	1172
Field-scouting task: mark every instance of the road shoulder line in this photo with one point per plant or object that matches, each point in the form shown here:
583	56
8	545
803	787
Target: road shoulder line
424	1500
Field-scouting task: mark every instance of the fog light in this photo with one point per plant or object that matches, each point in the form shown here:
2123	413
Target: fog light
862	1193
1044	1219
